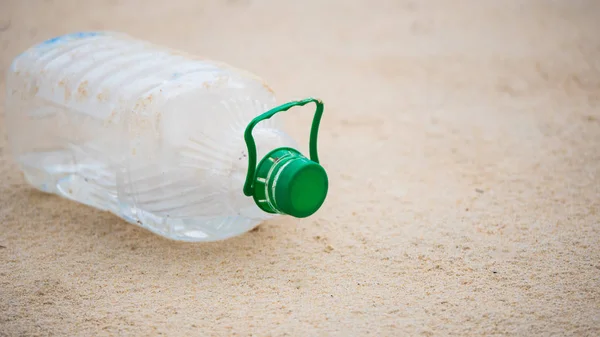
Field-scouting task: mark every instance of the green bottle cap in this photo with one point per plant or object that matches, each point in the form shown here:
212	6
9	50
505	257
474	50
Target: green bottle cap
288	183
285	181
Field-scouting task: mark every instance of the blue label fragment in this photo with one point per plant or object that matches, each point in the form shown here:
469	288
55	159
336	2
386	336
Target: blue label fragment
72	36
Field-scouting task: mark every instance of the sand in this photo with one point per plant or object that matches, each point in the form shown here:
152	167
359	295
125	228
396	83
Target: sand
462	143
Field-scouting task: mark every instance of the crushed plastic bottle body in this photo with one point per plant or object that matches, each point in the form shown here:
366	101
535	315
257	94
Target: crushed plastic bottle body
147	133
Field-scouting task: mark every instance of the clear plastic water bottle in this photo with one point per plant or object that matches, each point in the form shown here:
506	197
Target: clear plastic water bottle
162	139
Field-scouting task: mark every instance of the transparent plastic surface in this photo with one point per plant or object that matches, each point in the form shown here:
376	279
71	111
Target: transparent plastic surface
152	135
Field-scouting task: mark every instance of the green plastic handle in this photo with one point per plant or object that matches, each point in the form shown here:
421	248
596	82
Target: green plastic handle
314	131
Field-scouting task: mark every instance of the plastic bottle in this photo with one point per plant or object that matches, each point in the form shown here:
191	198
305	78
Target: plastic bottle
162	139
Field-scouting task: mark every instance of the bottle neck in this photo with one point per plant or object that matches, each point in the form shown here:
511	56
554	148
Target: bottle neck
267	139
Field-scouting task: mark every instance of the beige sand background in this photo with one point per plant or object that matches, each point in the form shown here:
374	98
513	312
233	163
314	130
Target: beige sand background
462	140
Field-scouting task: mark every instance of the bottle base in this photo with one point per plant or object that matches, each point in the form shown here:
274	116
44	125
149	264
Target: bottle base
100	192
